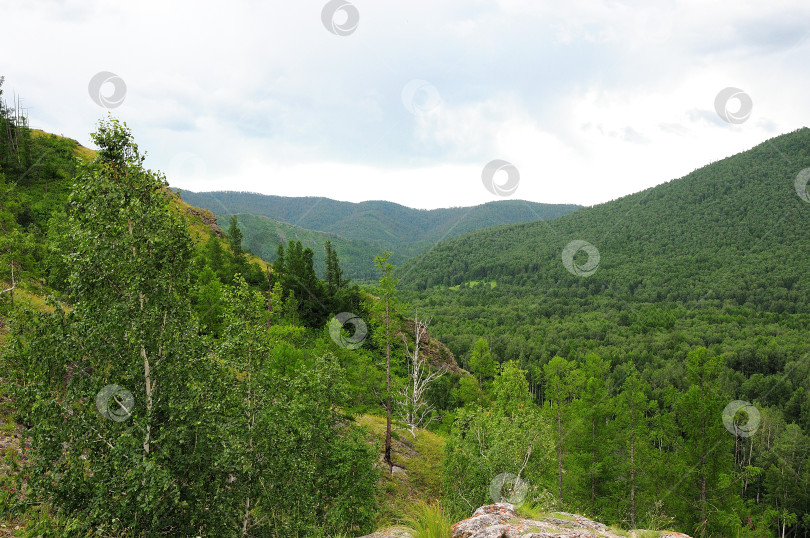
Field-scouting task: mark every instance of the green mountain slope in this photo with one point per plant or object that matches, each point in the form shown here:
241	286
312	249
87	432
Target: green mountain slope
263	235
385	225
735	230
717	258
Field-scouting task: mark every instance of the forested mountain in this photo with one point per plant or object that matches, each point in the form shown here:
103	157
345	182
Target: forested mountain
735	230
645	362
665	336
385	225
262	236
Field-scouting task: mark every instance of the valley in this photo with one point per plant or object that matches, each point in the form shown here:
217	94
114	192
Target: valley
635	368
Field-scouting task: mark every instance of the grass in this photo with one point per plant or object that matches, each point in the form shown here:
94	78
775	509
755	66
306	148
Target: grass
402	494
537	512
428	521
471	284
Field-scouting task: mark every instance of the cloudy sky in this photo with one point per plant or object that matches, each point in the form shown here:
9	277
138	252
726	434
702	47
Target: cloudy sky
588	100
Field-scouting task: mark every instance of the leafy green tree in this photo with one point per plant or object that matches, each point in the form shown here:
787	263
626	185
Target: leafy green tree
481	362
707	455
214	256
785	478
235	238
594	407
207	301
334	274
509	437
468	391
632	426
99	453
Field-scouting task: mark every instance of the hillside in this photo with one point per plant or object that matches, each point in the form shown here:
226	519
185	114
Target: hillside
735	231
697	293
731	235
35	188
263	235
384	225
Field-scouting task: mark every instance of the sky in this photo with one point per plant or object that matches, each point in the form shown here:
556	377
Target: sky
424	103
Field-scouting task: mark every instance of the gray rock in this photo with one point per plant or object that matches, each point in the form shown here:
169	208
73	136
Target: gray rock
502	521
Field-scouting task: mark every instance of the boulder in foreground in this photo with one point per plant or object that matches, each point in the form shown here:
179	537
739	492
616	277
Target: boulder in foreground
502	521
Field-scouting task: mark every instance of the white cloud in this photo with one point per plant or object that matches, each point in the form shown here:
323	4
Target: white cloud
590	99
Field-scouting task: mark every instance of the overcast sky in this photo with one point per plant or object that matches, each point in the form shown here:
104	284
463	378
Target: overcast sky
587	100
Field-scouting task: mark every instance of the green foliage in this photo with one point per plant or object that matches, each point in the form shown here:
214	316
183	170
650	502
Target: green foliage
683	266
208	301
309	299
360	230
429	521
508	437
481	362
292	462
223	420
128	256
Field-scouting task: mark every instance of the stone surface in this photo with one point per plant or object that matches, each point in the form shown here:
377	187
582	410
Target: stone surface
502	521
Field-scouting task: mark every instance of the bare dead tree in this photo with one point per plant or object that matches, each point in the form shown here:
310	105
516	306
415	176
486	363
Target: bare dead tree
13	284
414	408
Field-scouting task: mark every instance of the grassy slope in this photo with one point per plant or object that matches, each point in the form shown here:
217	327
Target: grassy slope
418	462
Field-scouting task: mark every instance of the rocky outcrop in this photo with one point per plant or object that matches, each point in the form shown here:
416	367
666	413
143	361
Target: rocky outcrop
207	218
438	355
502	521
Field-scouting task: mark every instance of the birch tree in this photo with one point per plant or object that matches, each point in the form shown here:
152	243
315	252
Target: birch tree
123	348
415	410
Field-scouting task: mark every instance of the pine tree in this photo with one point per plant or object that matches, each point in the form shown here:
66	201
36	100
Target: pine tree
238	256
595	405
632	425
481	362
708	446
334	274
563	380
387	292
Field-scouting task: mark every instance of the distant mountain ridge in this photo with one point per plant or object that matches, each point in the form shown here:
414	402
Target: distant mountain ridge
366	228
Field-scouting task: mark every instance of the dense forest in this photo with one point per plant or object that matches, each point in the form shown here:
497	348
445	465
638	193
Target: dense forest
162	380
638	322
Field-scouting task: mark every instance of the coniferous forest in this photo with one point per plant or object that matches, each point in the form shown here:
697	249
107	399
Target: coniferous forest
643	362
